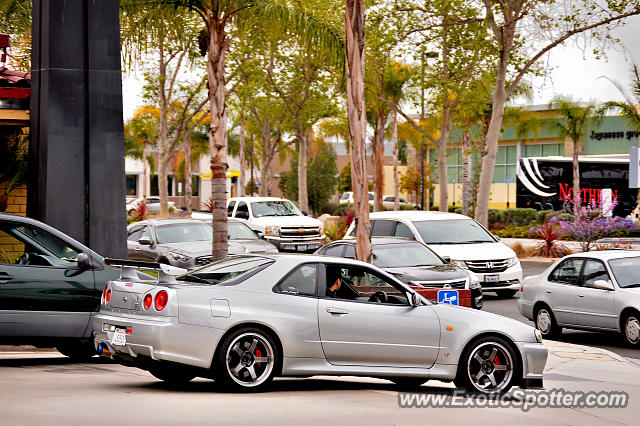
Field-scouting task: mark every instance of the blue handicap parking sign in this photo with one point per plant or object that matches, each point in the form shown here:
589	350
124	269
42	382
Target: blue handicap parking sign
448	296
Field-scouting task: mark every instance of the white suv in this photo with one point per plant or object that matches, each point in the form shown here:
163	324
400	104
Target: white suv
460	238
278	221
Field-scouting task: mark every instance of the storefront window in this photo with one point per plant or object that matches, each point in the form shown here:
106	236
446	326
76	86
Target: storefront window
131	184
505	164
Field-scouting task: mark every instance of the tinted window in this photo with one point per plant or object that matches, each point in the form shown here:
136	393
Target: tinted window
230	208
383	228
134	234
301	281
242	207
234	269
28	245
568	272
350	252
336	250
594	270
359	284
403	231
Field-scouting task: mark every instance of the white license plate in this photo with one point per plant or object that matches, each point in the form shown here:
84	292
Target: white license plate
491	278
119	338
302	248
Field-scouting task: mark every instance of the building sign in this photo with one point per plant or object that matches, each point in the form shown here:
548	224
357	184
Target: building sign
634	167
618	134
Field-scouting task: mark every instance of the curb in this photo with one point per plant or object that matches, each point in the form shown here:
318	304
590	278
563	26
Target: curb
588	349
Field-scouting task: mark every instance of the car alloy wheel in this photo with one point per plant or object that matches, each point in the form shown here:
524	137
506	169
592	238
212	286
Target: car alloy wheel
249	359
632	330
546	323
490	366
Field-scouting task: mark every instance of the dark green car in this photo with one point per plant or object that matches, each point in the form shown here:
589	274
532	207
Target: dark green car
50	287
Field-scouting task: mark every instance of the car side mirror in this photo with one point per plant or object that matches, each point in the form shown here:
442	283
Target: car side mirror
87	262
145	241
414	299
603	284
242	215
446	259
304	212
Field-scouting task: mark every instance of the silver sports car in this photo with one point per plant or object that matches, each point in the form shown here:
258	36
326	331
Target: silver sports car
245	319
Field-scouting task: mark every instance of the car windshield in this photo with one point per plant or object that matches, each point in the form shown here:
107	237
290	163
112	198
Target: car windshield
274	208
626	271
235	268
345	196
402	255
240	231
184	233
452	231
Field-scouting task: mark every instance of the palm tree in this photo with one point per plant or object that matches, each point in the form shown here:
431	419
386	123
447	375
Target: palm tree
628	109
313	26
571	123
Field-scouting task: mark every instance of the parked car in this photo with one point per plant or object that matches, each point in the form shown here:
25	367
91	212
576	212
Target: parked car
458	237
597	291
347	198
412	263
248	318
153	205
186	243
388	201
50	287
278	221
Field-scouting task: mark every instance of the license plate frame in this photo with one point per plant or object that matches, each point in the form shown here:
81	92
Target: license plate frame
119	337
493	279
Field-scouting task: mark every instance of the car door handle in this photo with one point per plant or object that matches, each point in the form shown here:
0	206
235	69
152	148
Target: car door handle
337	311
5	277
549	291
581	295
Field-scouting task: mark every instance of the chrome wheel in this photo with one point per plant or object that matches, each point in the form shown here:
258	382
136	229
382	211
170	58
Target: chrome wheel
490	367
250	359
544	321
632	330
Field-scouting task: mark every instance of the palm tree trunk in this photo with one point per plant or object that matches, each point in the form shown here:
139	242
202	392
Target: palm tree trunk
188	189
216	50
576	177
378	161
354	27
394	138
163	190
242	178
303	146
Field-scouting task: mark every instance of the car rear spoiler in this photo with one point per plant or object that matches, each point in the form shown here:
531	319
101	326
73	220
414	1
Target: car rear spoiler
129	268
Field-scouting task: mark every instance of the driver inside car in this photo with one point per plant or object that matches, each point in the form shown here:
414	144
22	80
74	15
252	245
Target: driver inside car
334	276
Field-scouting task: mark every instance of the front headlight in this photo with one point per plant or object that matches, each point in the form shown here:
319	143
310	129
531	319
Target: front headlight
474	282
460	264
512	261
272	230
179	257
538	335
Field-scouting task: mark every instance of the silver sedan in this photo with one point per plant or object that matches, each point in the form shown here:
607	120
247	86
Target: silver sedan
597	291
245	319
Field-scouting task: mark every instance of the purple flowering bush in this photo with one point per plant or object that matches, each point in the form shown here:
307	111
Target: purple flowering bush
589	224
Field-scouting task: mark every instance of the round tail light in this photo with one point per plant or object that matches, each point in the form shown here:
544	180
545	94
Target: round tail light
161	300
108	296
148	299
104	294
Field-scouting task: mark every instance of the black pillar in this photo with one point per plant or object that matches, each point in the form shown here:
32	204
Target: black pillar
77	181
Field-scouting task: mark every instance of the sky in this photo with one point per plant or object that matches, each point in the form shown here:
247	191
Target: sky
573	72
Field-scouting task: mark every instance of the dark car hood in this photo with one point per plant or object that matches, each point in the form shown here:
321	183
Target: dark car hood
428	273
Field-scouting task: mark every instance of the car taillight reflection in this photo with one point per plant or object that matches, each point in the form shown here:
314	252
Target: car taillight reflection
161	300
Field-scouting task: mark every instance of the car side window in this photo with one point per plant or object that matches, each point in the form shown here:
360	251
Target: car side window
26	245
403	231
302	281
568	272
146	233
594	270
355	283
134	234
232	204
242	207
350	252
383	228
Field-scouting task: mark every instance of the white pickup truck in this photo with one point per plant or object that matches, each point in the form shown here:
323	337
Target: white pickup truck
278	221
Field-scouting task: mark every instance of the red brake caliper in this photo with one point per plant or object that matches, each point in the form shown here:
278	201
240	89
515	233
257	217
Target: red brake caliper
259	354
496	360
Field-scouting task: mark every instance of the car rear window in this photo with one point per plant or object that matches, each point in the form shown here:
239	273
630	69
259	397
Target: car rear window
229	271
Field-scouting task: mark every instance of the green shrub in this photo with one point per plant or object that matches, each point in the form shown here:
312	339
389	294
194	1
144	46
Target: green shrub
513	231
516	216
